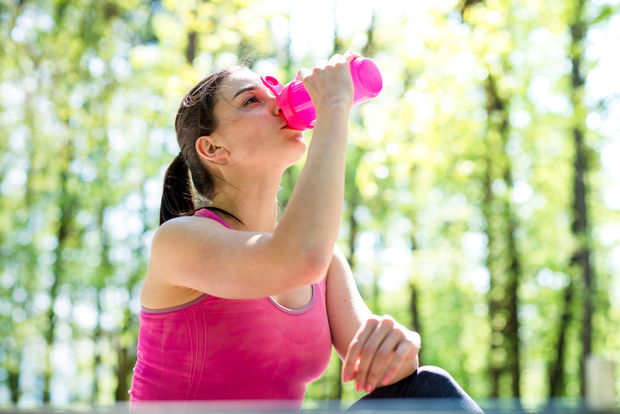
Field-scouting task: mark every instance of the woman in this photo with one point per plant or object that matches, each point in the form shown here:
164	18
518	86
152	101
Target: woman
236	307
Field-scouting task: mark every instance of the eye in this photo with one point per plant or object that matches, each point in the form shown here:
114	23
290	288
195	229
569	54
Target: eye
252	99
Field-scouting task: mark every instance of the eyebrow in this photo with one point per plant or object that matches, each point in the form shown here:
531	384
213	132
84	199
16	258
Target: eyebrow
245	89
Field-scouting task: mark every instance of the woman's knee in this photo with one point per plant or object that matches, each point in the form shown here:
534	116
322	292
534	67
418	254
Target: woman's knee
428	371
435	382
427	382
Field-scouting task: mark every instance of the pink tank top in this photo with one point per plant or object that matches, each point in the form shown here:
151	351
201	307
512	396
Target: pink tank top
224	349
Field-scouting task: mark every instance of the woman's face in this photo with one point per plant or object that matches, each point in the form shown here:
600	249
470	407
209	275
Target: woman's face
251	126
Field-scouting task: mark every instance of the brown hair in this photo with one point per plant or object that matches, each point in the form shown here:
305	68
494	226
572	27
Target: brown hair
194	119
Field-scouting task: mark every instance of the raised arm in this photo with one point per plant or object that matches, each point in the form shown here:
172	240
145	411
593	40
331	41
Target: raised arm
199	254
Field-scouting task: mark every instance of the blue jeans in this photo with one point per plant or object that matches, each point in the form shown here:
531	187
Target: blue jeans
428	389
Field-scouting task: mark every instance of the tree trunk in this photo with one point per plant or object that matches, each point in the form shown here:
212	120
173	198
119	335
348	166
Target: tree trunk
557	379
192	42
67	207
513	273
493	366
126	351
105	268
415	314
503	259
580	227
126	362
11	365
580	261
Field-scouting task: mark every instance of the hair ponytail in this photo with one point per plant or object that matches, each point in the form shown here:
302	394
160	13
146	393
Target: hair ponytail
195	118
176	199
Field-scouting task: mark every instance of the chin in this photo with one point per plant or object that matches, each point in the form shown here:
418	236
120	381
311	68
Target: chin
298	152
298	137
302	144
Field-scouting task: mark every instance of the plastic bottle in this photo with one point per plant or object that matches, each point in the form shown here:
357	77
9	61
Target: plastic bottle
297	106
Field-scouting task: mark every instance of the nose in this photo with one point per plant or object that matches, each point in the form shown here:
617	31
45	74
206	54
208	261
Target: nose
277	110
276	88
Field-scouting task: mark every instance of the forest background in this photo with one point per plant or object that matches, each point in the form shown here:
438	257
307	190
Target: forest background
482	202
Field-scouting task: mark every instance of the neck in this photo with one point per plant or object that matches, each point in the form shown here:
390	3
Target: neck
254	202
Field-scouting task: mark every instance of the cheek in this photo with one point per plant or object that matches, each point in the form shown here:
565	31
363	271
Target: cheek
248	142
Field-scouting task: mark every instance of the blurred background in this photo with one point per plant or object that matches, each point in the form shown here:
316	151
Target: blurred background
483	184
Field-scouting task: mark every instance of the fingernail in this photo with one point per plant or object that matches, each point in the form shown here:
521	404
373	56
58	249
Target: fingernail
358	387
345	377
385	380
369	388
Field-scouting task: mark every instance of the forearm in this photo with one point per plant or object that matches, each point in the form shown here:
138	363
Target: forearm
311	219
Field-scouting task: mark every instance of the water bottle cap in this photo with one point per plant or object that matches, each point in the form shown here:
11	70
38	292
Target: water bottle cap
366	76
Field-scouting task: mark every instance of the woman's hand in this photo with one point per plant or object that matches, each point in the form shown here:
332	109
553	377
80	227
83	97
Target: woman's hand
329	83
380	350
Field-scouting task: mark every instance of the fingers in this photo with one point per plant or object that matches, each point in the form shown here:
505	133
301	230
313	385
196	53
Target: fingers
321	64
375	352
337	58
350	55
378	351
303	73
329	83
333	61
403	351
352	360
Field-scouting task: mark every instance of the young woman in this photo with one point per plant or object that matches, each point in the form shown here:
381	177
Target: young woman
240	303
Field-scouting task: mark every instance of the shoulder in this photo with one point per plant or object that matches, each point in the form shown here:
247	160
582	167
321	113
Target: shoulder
188	226
177	248
183	234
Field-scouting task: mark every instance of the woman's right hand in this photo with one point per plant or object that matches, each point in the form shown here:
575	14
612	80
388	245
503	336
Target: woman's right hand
329	83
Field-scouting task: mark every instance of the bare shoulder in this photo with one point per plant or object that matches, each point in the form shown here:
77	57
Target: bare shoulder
186	230
183	243
175	243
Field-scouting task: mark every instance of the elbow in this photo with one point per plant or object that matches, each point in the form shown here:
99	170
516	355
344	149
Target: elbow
301	262
313	266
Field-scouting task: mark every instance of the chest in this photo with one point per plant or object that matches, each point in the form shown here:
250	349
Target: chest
263	338
296	299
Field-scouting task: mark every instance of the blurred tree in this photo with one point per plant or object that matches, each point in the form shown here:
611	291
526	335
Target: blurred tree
581	257
503	259
582	273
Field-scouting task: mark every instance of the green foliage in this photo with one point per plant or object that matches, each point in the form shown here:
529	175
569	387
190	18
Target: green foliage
463	165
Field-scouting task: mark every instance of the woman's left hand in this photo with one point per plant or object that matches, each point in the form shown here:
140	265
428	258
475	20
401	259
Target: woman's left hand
381	349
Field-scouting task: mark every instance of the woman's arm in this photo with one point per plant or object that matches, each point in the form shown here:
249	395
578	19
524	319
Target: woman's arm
313	212
187	249
376	350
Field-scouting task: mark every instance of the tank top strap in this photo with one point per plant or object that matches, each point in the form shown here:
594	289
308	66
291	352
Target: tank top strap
205	212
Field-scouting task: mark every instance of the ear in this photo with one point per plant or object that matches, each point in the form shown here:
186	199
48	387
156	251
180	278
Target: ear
208	150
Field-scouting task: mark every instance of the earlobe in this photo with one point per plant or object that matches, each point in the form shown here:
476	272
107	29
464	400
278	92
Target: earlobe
208	150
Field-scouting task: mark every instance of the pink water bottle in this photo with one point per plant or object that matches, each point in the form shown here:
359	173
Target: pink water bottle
297	106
